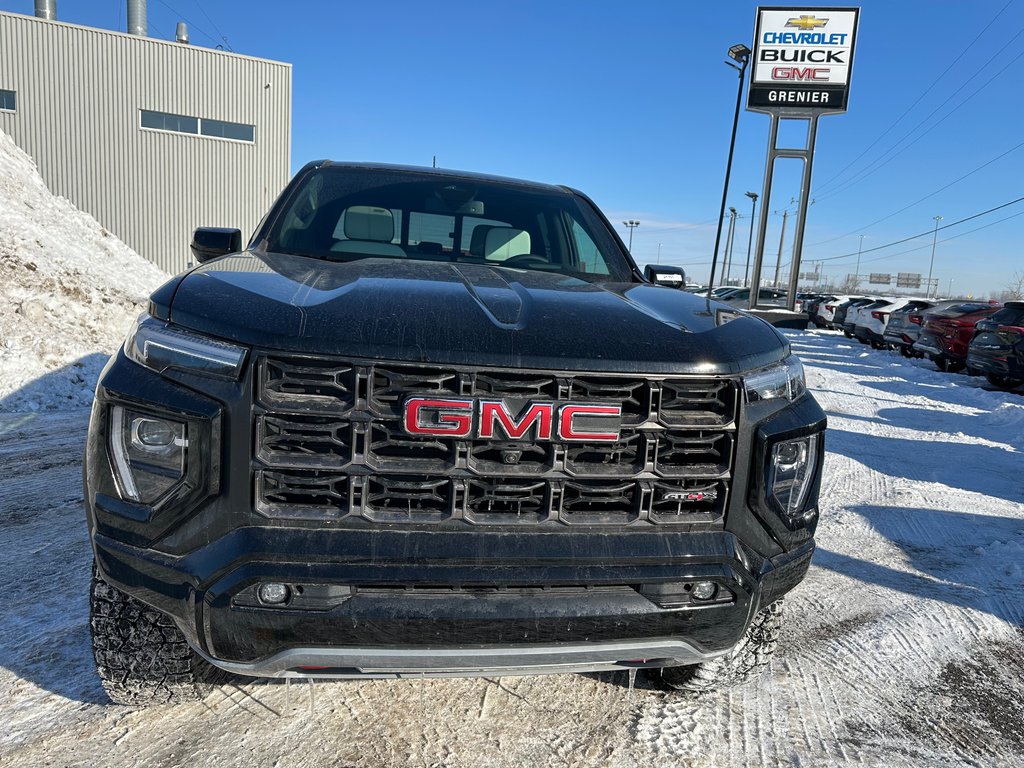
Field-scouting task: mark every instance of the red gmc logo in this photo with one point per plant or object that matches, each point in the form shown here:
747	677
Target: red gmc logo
492	420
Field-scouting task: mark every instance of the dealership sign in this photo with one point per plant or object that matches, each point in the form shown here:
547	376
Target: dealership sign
802	59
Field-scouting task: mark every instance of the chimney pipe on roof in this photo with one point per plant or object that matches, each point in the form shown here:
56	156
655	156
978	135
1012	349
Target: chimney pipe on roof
137	17
46	9
181	33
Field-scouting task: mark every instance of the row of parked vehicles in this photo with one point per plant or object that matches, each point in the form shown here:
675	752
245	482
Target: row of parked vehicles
981	337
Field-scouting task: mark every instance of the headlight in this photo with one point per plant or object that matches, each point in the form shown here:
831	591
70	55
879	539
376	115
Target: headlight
791	472
784	380
160	347
149	453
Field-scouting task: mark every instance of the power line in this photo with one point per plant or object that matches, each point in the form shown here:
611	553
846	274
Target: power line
919	98
892	153
921	234
227	45
191	24
860	229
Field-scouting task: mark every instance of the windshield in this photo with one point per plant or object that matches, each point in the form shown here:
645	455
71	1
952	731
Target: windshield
343	214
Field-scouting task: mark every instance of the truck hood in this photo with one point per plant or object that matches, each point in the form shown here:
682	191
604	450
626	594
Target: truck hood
459	313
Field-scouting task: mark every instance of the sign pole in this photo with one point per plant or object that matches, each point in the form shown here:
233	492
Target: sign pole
801	65
801	216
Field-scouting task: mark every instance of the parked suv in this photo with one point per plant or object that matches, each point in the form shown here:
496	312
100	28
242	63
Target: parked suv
997	349
857	315
904	325
438	423
832	309
874	319
947	334
846	314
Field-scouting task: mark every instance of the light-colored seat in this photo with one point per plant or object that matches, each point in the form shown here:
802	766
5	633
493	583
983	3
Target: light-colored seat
502	243
370	231
478	240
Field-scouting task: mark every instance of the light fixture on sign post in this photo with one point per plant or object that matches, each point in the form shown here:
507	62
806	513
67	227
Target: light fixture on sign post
741	55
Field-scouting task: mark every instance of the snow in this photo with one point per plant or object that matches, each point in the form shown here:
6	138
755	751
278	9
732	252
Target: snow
904	647
69	290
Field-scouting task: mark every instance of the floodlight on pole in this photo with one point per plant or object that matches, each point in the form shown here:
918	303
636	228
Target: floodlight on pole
741	55
632	224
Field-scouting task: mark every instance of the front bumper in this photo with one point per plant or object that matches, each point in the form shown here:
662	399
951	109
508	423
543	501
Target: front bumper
394	614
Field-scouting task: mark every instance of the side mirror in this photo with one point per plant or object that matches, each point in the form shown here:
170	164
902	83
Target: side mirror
671	277
211	242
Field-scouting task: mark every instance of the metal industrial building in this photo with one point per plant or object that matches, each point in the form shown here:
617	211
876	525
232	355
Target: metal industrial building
153	138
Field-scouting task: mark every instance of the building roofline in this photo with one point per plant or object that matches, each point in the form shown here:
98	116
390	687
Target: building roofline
156	40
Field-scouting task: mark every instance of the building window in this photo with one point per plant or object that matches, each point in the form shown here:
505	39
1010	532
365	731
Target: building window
225	130
164	121
8	100
220	129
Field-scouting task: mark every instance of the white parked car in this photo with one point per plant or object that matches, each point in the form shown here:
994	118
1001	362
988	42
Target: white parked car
869	326
827	309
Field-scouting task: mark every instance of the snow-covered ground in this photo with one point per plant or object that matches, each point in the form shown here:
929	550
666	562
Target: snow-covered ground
68	291
904	646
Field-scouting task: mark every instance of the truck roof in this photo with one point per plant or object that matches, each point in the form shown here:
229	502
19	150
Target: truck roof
446	173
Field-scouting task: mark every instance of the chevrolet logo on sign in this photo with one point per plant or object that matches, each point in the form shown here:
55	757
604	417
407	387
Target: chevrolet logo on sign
807	22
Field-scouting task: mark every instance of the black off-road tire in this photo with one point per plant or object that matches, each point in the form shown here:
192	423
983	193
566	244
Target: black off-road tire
141	656
748	658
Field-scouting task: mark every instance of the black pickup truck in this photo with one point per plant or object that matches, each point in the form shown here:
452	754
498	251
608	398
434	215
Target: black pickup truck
440	424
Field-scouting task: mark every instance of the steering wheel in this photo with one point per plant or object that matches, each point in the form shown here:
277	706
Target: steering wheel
526	261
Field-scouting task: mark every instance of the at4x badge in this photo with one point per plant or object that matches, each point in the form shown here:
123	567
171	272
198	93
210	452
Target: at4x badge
691	497
492	420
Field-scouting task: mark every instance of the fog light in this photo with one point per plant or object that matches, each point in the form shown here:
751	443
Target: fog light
273	593
704	590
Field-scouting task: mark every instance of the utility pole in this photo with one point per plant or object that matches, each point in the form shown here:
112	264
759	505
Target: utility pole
659	253
856	273
632	224
729	241
935	236
778	261
750	239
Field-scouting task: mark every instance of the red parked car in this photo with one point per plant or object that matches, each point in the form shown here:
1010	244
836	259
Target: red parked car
947	334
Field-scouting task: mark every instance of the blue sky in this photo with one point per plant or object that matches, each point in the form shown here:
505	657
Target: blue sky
632	103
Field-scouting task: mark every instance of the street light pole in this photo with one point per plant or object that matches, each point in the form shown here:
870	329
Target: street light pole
659	253
949	291
729	242
741	55
750	239
782	237
632	224
935	237
856	273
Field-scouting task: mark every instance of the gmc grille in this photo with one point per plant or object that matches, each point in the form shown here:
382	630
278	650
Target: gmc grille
329	445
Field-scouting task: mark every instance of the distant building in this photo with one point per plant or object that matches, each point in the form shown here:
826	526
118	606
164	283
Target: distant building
152	137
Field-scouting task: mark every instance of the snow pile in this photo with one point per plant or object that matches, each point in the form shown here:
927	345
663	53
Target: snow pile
69	290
